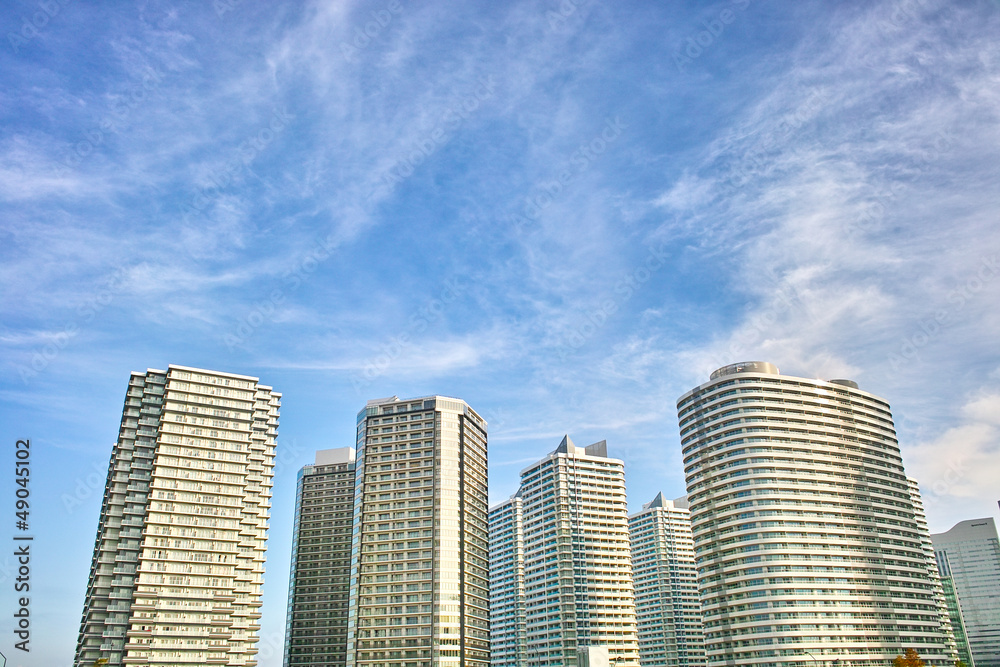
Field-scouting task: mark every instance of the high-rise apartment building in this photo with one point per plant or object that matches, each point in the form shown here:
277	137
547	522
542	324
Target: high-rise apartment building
951	645
969	553
578	596
809	547
419	570
508	629
666	585
319	582
179	557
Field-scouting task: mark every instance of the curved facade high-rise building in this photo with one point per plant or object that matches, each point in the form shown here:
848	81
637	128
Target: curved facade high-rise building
810	547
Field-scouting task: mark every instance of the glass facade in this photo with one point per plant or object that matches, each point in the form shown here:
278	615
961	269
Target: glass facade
316	619
957	622
969	553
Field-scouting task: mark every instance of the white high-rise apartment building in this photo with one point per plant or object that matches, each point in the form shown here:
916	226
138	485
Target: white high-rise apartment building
951	645
666	585
508	629
179	557
579	598
809	547
419	572
969	553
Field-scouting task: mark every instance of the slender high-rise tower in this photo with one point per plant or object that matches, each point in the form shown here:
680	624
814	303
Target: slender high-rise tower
809	545
951	645
957	621
419	570
318	586
579	598
179	557
969	553
508	629
666	585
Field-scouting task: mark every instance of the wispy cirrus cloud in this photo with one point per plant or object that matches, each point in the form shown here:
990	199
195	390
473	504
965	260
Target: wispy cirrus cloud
817	189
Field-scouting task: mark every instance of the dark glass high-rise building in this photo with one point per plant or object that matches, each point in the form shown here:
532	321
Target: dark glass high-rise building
319	583
419	571
957	621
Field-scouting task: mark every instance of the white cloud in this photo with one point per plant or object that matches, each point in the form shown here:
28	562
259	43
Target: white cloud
959	468
689	192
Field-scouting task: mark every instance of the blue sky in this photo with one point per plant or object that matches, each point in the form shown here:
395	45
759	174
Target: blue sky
567	214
